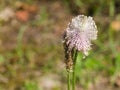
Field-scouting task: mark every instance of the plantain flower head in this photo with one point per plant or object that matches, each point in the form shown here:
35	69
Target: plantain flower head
79	33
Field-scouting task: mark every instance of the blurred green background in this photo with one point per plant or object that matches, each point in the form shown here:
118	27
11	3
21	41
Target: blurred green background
31	51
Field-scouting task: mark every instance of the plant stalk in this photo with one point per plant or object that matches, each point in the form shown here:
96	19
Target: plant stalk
68	76
74	70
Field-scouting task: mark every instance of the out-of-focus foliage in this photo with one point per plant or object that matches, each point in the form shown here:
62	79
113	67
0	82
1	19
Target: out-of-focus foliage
31	52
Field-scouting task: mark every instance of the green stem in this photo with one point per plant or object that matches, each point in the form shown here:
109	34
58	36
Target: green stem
68	76
111	8
74	70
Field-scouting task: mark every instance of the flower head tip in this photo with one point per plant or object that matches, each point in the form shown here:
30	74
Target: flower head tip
80	32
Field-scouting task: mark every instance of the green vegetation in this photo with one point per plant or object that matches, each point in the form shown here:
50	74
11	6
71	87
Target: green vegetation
30	45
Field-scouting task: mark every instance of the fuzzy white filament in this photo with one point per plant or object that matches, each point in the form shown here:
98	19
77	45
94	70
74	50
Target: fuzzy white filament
80	32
